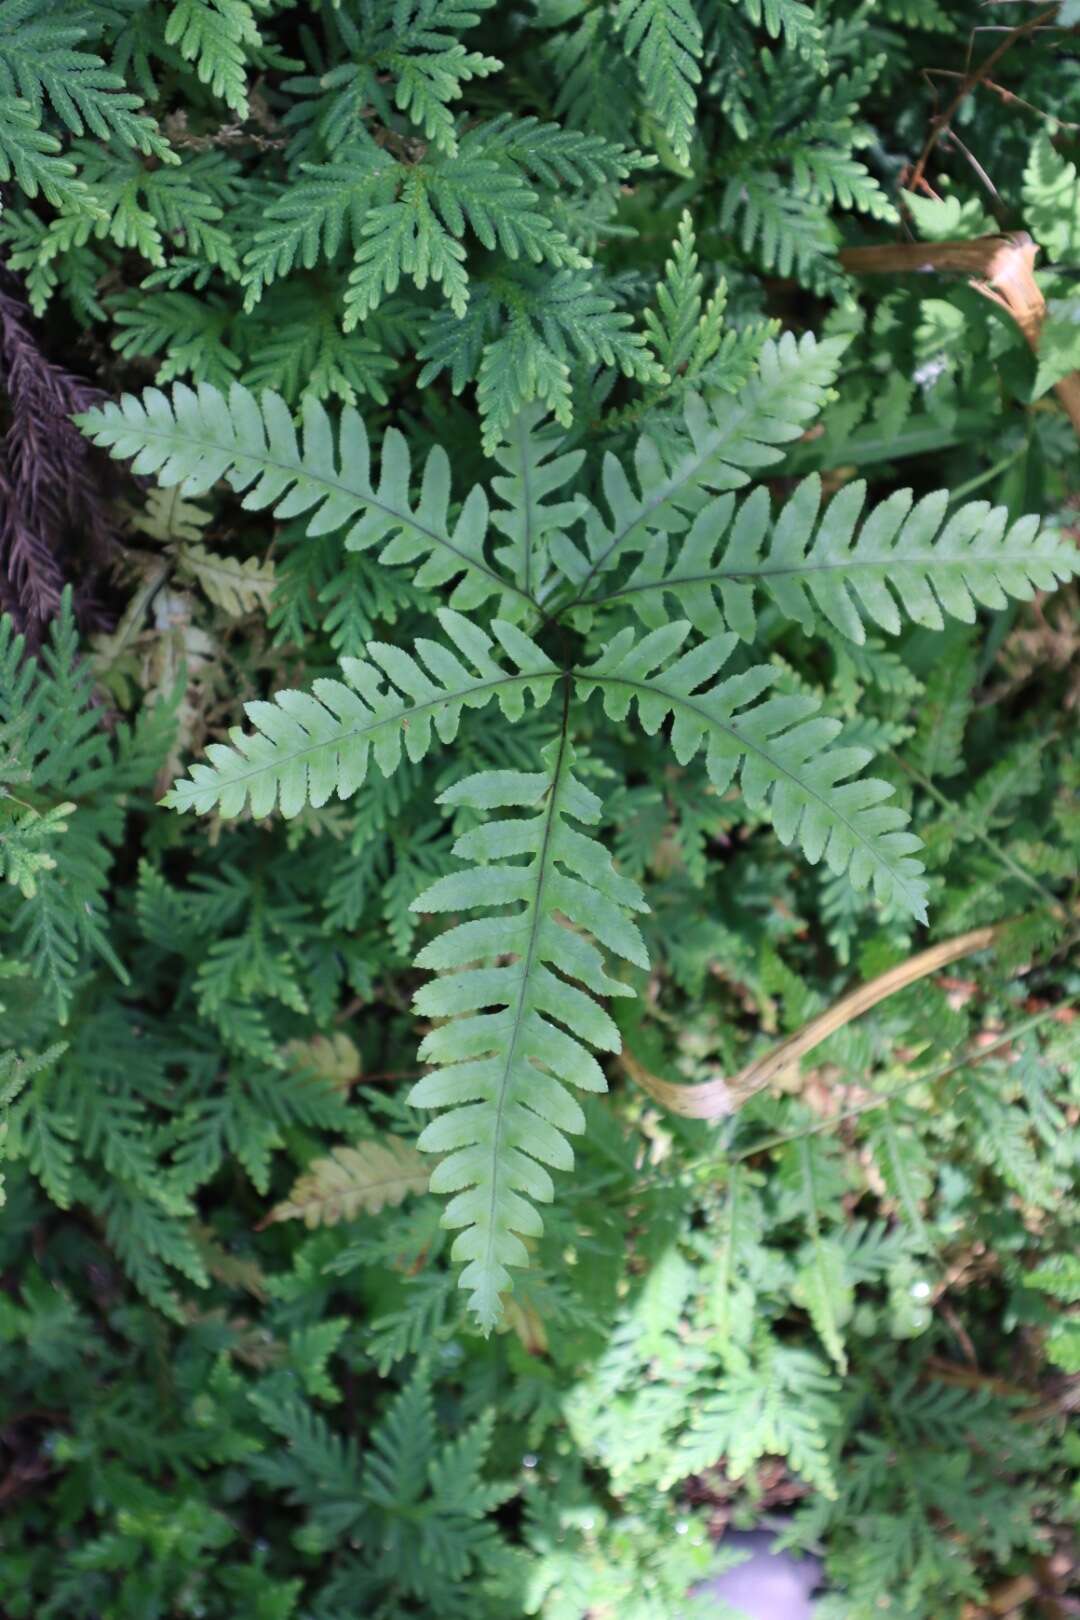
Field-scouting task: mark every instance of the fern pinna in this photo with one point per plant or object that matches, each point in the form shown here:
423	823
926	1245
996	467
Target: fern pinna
549	618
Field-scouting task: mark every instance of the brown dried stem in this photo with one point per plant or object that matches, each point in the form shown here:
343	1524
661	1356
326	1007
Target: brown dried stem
976	76
714	1099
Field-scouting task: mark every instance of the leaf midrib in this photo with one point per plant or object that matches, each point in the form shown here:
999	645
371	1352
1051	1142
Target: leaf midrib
280	762
747	746
297	472
1022	559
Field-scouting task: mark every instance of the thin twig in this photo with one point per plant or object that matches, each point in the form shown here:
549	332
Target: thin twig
974	1054
1001	855
942	121
1009	97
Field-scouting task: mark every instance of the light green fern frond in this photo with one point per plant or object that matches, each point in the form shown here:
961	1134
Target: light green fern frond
781	748
195	438
728	438
501	1073
532	471
783	1406
684	330
809	560
307	746
1052	201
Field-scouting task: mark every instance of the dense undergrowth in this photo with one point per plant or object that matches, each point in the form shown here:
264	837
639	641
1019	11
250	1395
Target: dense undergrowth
363	368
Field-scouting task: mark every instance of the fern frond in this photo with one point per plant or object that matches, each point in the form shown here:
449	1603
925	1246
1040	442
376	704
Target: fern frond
217	36
408	237
1051	195
728	437
782	749
944	710
549	321
41	62
785	1407
419	234
533	470
370	1176
684	331
593	72
905	558
553	154
428	81
298	348
24	844
31	156
664	36
788	233
307	746
501	1073
195	438
796	21
327	204
238	585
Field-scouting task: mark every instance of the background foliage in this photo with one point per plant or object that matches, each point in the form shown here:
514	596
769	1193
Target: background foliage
239	1376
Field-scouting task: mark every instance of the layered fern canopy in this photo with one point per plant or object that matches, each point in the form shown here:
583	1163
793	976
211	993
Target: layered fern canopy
551	572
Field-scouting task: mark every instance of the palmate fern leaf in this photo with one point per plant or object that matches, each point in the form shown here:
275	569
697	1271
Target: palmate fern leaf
307	746
194	438
905	559
781	748
506	1115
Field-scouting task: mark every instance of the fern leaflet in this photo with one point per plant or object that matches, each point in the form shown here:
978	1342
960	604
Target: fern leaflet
665	38
307	746
781	747
198	437
810	563
506	1116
